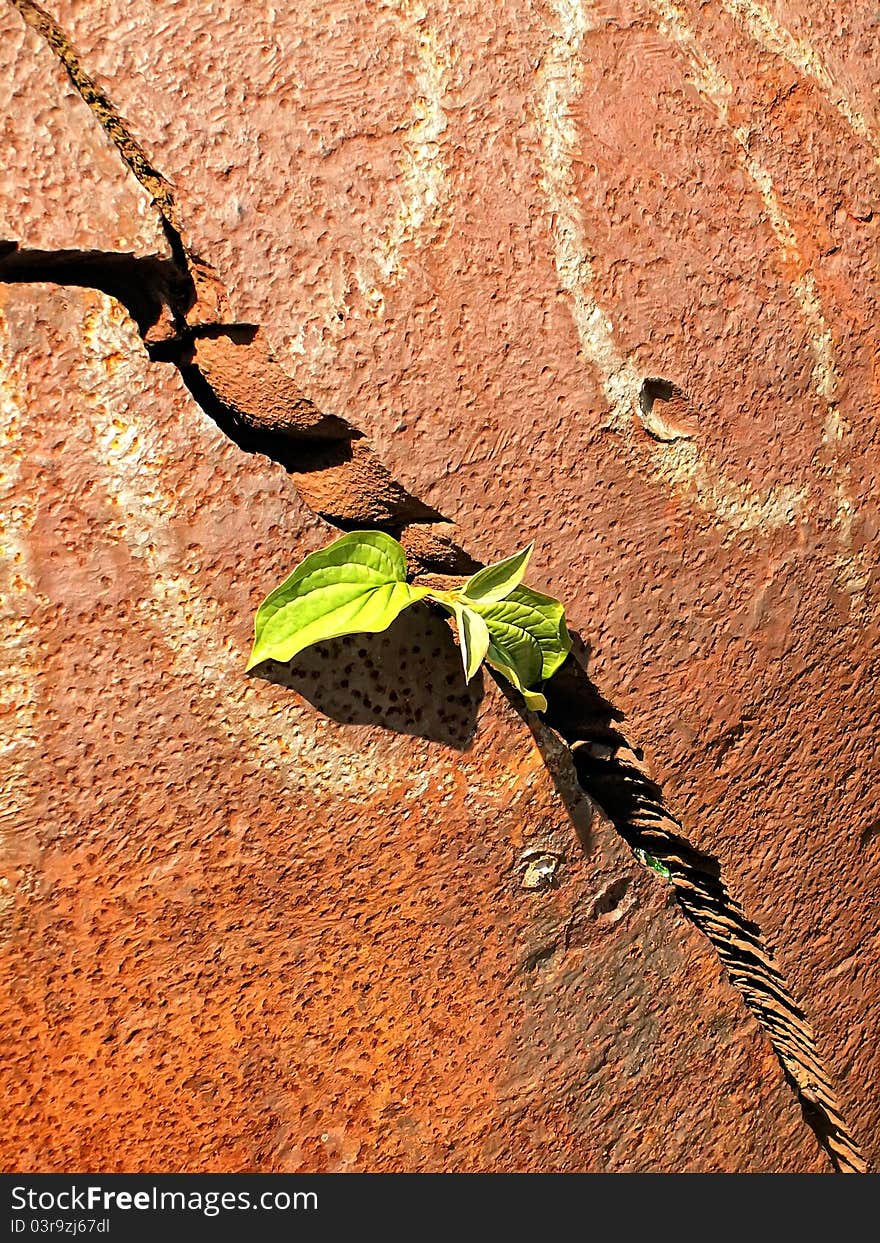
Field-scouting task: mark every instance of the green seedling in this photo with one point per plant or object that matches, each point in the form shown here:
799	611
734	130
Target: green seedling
358	585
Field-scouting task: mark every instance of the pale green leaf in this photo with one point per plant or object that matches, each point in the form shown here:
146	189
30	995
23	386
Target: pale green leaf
473	636
651	862
516	650
534	699
356	585
526	614
497	581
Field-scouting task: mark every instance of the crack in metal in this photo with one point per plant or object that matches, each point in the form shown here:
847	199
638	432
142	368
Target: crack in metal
181	310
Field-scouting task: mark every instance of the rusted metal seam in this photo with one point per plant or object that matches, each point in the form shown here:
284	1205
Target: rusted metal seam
234	376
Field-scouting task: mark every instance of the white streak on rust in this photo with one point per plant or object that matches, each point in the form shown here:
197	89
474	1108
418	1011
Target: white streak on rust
682	465
716	89
425	188
560	85
770	33
737	506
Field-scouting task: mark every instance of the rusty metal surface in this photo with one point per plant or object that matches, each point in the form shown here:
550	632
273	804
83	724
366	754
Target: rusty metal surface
247	925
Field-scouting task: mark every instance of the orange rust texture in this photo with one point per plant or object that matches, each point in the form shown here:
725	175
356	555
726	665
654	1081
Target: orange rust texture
280	924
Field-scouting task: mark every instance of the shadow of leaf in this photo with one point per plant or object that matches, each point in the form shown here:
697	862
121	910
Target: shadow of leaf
408	679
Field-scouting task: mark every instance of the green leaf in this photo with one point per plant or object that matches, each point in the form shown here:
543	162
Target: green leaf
534	699
516	650
517	655
526	614
497	581
651	862
528	636
355	585
473	635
